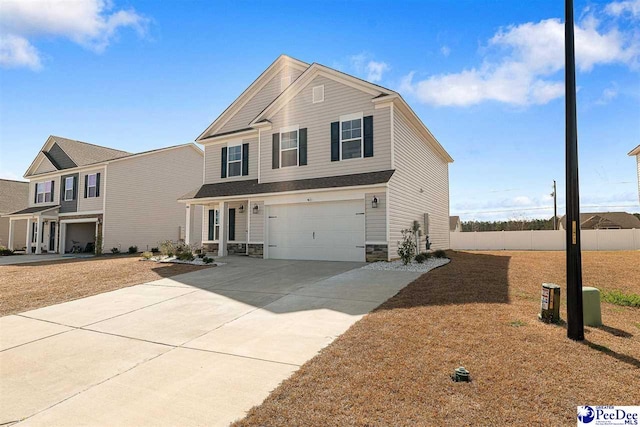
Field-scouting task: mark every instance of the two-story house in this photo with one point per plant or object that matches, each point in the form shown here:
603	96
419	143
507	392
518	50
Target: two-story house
81	193
312	163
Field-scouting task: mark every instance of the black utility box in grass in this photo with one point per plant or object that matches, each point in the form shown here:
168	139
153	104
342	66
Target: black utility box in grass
550	303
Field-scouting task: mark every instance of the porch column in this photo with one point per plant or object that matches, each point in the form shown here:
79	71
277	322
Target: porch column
57	239
28	244
222	241
10	241
39	235
62	239
187	226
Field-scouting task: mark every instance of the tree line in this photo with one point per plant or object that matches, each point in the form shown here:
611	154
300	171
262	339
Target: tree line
510	225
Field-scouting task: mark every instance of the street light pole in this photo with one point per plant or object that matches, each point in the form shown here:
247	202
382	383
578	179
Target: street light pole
575	325
555	206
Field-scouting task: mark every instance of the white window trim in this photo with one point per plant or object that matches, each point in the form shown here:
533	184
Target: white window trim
231	145
67	189
44	193
89	186
313	94
286	129
346	118
216	225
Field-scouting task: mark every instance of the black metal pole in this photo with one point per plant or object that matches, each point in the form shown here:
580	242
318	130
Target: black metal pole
555	206
575	325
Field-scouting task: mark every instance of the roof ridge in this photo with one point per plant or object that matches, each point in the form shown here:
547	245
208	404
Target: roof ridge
89	143
13	180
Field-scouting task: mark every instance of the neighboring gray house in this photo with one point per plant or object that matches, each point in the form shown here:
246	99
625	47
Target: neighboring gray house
312	163
454	224
78	191
605	221
636	152
13	197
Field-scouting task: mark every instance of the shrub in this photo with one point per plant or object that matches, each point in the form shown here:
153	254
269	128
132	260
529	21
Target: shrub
5	251
185	256
133	249
147	255
115	250
407	248
440	254
155	250
201	255
207	260
167	248
420	258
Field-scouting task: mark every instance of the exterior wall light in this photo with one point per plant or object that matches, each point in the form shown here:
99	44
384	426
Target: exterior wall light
374	202
241	209
255	208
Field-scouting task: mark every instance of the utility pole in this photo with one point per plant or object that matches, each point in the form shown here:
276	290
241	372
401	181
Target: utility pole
575	323
555	206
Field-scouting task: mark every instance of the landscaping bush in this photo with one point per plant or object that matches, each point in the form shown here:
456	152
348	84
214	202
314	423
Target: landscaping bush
185	256
147	255
439	254
155	250
115	251
207	260
420	258
133	249
5	251
167	248
201	255
407	248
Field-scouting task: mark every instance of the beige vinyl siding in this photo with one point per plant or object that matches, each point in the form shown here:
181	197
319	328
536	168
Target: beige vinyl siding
142	208
259	101
241	222
417	167
56	191
256	234
638	162
91	203
375	218
213	159
339	99
44	166
195	236
19	233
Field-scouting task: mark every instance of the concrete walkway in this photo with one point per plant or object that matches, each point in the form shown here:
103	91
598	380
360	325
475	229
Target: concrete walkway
23	259
197	349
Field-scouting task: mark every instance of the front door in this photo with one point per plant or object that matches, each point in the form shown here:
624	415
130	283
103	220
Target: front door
52	236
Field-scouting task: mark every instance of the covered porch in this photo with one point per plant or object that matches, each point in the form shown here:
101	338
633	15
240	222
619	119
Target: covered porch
41	234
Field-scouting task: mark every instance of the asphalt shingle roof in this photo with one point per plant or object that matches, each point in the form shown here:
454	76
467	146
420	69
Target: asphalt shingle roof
14	195
593	220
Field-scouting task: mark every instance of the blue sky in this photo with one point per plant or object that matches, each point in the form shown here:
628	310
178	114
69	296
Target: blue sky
485	76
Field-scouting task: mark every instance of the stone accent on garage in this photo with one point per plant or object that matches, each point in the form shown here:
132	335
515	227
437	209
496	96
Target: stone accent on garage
211	247
236	248
256	250
376	252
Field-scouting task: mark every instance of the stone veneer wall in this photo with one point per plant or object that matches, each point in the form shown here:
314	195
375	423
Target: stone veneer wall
256	250
211	247
377	253
236	248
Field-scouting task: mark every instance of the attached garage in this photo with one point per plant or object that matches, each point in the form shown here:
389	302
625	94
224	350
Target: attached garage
331	231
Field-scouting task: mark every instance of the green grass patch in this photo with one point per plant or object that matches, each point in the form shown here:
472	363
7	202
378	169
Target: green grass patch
620	298
517	323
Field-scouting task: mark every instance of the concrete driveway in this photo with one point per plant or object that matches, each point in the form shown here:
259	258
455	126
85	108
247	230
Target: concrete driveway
197	349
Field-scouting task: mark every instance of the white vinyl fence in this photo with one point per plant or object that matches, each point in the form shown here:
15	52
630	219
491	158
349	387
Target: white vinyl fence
545	240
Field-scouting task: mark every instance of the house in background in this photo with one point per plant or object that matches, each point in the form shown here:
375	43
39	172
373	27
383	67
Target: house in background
312	163
605	221
636	152
78	191
13	197
454	224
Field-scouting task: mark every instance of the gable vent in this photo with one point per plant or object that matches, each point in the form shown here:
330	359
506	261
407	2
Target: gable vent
285	82
318	94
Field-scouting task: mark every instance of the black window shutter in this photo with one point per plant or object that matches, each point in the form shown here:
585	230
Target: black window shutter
53	192
35	193
75	188
86	185
368	136
223	166
302	147
98	184
275	151
245	159
211	224
335	141
232	224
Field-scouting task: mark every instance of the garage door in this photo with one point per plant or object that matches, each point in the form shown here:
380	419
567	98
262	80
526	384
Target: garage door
331	231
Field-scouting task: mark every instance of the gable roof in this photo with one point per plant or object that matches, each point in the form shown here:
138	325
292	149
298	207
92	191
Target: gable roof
13	195
65	153
635	151
594	220
248	93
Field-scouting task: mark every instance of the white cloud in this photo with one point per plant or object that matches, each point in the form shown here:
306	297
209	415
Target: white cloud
618	8
445	50
607	95
364	65
521	64
92	24
18	52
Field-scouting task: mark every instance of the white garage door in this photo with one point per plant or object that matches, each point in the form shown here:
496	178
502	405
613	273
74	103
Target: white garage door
332	231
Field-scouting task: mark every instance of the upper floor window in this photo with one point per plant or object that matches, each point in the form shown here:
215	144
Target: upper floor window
92	185
351	141
44	192
234	160
289	147
68	188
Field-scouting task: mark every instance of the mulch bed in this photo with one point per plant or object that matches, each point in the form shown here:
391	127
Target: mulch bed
29	286
480	311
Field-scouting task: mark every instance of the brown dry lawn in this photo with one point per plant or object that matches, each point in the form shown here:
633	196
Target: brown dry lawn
34	285
479	311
